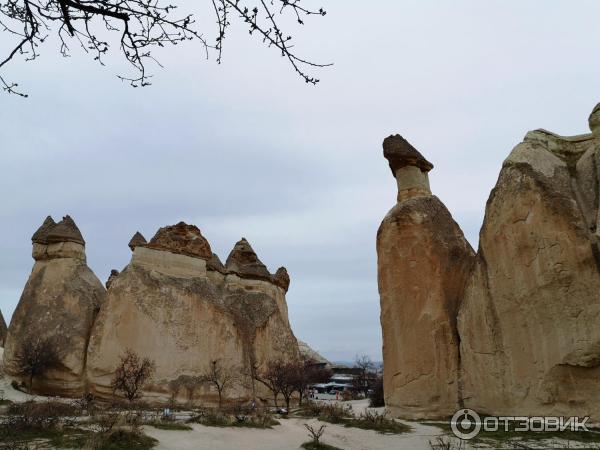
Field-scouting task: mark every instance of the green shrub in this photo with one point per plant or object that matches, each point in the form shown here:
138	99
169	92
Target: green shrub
371	420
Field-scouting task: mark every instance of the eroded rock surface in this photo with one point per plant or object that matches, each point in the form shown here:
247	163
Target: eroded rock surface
59	304
185	311
181	239
530	340
423	263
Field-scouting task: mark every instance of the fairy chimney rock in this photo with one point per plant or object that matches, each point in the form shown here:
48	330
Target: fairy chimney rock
244	262
58	240
408	166
137	240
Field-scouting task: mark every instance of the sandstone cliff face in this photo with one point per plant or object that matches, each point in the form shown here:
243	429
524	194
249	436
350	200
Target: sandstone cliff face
423	263
178	305
530	341
59	304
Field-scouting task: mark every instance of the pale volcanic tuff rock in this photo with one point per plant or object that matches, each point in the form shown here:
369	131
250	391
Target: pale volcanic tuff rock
176	304
423	262
530	340
59	304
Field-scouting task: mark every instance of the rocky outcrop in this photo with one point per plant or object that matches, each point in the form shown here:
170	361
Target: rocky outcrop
530	341
243	262
138	240
527	317
113	274
3	330
307	353
181	239
58	306
423	262
176	304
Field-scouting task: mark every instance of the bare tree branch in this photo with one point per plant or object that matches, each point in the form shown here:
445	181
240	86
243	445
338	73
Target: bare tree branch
141	26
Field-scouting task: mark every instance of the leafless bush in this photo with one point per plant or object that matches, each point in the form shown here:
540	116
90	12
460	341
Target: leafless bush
221	376
35	356
44	415
315	433
131	374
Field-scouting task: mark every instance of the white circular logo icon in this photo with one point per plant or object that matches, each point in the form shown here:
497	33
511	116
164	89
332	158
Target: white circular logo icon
465	424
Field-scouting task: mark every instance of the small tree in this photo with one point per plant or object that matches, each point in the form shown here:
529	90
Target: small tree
282	378
269	378
35	356
366	376
131	374
309	372
221	377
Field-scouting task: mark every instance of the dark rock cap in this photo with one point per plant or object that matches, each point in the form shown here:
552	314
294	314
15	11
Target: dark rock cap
113	274
282	278
215	264
594	119
41	235
65	231
400	153
183	239
138	240
243	261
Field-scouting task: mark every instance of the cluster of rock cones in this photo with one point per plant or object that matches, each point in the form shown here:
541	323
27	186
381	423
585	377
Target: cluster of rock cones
514	328
175	303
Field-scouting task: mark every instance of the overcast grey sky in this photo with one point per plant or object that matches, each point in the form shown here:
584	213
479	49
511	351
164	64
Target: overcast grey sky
248	149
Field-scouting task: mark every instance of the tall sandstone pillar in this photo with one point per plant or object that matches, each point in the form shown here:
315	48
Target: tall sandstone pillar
56	310
529	322
423	262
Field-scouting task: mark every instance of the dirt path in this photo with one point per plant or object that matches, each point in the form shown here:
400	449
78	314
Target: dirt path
290	435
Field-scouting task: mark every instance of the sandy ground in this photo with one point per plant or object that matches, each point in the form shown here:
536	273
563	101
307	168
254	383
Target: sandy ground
290	435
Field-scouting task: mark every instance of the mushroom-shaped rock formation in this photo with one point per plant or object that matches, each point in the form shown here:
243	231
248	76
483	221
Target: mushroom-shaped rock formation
282	279
175	304
58	307
529	318
181	239
3	330
244	262
138	240
423	262
408	166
